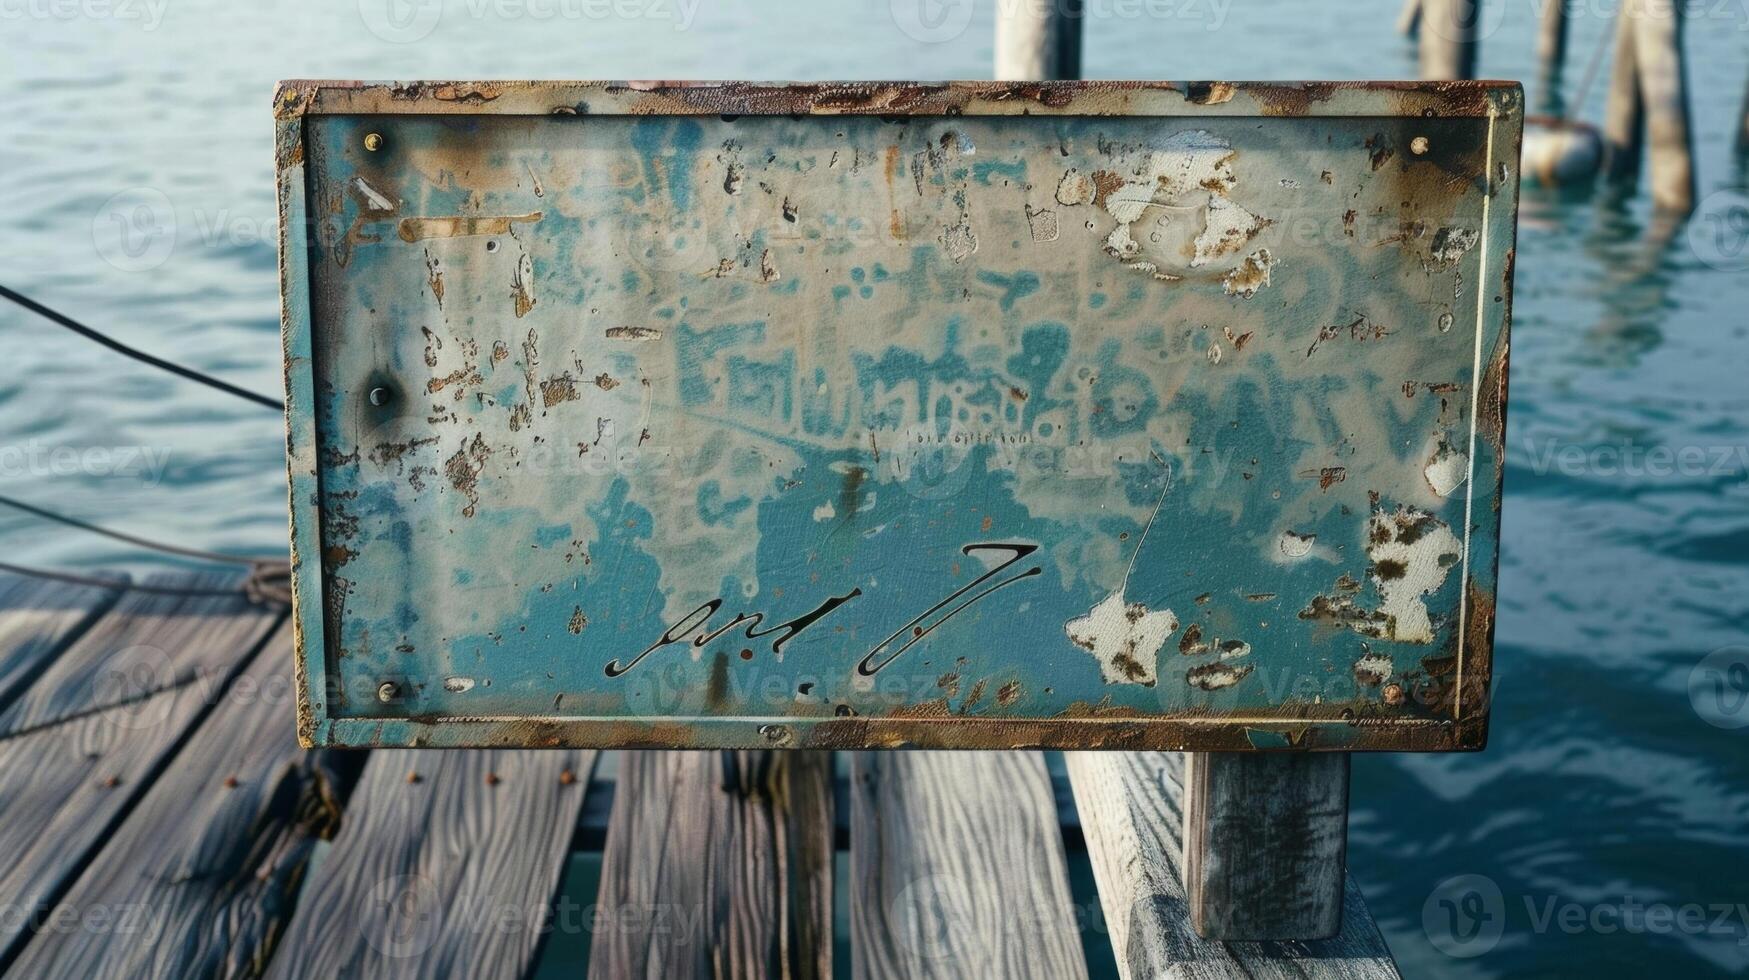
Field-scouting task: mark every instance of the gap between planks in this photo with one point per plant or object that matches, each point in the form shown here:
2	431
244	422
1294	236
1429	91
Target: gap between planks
718	864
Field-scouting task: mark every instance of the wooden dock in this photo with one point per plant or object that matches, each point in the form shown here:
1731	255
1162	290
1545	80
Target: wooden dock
158	819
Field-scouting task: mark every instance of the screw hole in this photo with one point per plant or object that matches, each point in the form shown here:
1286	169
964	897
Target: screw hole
492	246
379	396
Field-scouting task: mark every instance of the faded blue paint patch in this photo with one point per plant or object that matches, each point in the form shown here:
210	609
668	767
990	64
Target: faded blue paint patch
668	435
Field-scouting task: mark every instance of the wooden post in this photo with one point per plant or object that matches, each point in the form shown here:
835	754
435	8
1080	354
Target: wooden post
1665	94
1743	130
1648	104
1551	38
1038	40
1265	844
1409	21
1623	114
1448	39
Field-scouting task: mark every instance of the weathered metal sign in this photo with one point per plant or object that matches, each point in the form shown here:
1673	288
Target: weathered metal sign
970	415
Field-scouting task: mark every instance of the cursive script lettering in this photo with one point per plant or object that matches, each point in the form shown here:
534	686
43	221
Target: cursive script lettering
698	619
868	667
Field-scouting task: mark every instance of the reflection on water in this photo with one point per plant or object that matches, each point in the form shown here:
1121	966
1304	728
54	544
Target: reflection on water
1610	785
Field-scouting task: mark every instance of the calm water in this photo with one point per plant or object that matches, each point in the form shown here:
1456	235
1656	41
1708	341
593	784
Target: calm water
1605	790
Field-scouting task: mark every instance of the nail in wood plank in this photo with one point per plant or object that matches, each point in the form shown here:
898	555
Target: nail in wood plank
1131	811
203	874
957	868
446	864
718	864
1265	844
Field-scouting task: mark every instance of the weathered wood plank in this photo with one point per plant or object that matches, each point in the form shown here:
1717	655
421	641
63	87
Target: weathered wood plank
147	642
446	864
203	874
90	751
958	869
38	619
718	864
1265	844
1131	811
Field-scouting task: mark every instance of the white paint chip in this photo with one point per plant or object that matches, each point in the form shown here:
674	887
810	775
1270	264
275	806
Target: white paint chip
1293	545
1447	470
1373	669
1412	553
1124	637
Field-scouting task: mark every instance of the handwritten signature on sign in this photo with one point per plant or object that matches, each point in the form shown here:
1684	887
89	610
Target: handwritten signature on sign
694	629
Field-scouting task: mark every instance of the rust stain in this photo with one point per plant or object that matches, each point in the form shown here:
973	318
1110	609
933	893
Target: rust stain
462	377
559	389
419	229
464	470
1209	93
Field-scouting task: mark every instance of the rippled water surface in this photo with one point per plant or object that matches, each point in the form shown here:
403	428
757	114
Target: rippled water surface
1611	784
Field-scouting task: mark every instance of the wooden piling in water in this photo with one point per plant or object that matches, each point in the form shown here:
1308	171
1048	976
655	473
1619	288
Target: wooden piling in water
1648	104
1448	39
1265	844
1551	38
1409	21
1038	40
1742	146
1623	113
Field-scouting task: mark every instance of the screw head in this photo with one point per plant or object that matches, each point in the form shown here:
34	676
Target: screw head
373	141
387	690
1419	145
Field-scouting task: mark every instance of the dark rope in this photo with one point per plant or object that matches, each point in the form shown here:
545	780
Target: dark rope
169	549
138	355
268	582
110	583
1591	66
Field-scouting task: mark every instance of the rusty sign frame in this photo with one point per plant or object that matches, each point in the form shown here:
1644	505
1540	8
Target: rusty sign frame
1438	703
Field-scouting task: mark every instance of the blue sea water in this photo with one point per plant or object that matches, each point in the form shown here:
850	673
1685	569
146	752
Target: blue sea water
1605	831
